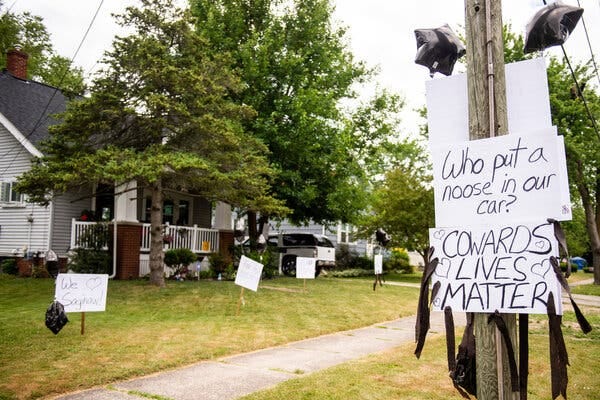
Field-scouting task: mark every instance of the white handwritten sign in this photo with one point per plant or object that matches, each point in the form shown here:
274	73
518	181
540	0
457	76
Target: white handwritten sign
505	268
82	292
378	261
510	177
305	268
248	273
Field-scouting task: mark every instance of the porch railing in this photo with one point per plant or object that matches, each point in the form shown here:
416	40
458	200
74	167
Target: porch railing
199	240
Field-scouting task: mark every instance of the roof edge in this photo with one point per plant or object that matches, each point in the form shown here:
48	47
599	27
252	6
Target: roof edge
22	139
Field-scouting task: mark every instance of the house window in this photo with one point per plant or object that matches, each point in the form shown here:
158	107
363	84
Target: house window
10	196
346	234
168	213
184	212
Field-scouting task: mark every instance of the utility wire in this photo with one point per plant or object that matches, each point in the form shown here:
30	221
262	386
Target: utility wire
43	114
587	36
579	91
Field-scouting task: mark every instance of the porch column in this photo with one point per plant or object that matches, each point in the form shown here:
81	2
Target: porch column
126	202
224	223
223	217
129	231
129	241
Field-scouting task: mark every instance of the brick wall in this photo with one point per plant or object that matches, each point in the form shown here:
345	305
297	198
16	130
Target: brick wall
226	241
129	240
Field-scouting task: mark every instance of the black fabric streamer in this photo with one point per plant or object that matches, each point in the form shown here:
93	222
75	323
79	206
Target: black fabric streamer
422	323
583	322
512	363
450	338
559	359
559	234
523	355
464	375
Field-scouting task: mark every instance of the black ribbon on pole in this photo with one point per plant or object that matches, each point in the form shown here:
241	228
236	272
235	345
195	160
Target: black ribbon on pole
423	311
559	359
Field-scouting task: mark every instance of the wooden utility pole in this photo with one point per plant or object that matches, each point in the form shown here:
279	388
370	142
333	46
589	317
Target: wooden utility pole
488	118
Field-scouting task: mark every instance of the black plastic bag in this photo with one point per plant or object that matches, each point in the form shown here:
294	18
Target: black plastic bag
56	317
551	26
438	49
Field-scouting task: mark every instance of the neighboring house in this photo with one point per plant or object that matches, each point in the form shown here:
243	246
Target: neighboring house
26	109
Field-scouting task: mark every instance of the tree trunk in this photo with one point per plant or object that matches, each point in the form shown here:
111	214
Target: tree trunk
156	236
595	243
252	231
591	214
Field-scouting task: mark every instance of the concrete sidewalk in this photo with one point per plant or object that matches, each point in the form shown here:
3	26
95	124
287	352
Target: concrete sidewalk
235	376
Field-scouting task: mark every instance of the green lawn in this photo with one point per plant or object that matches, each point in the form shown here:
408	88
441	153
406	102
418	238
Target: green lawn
146	329
397	374
592	290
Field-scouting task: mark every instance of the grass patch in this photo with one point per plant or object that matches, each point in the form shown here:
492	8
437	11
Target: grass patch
397	374
591	290
147	329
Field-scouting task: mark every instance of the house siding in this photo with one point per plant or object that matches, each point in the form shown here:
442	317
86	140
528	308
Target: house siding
284	226
201	213
65	208
15	230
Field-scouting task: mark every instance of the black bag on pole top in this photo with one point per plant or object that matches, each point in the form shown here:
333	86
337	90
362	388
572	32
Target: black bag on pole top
56	317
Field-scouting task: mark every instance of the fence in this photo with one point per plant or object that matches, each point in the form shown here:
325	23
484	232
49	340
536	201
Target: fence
199	240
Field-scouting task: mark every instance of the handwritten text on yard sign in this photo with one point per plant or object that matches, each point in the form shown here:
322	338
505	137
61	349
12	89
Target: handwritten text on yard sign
505	268
305	267
248	273
507	178
81	292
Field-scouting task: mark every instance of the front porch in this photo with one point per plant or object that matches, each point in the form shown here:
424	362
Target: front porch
85	234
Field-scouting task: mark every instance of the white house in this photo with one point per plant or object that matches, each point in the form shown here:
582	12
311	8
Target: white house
26	111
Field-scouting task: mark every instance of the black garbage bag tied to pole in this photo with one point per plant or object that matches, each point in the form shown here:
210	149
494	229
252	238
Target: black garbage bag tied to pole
56	317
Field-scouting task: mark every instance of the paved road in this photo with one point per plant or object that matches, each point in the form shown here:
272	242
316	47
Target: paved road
235	376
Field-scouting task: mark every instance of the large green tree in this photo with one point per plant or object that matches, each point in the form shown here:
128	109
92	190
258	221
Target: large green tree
402	203
160	113
569	109
44	64
297	70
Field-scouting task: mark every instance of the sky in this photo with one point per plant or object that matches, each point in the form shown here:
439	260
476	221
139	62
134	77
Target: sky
380	32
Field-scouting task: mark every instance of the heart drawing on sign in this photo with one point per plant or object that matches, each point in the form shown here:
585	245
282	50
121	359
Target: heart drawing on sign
443	268
93	283
540	244
439	234
541	269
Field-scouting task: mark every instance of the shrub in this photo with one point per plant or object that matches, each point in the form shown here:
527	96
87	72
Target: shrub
344	257
218	265
90	261
350	273
179	259
9	266
269	259
398	261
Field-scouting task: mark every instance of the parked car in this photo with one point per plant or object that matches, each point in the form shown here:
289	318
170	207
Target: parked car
293	245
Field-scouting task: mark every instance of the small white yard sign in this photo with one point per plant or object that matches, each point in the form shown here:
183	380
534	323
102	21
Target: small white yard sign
378	260
305	268
248	274
82	292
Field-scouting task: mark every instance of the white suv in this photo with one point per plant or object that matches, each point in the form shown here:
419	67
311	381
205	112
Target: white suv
292	245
